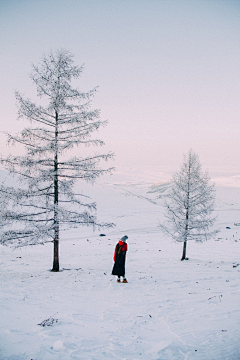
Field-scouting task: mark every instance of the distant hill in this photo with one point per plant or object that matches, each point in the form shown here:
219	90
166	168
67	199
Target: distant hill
7	179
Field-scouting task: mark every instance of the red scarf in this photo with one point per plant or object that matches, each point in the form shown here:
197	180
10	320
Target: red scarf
124	247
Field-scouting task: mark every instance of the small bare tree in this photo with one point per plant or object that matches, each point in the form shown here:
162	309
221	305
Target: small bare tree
46	200
189	204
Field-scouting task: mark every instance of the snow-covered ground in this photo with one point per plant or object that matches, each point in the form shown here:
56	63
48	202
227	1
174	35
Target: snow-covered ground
169	310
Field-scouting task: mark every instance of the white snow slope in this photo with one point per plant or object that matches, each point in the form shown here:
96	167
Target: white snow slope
168	310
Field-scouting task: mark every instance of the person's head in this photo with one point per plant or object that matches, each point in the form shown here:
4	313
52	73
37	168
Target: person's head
124	238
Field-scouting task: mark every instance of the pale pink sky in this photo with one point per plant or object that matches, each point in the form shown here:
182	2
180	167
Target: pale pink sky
168	73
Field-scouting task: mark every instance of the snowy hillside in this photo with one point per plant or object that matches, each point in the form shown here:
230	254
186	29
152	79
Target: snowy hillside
169	310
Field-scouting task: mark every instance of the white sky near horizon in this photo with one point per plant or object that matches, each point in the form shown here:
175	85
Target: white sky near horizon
168	73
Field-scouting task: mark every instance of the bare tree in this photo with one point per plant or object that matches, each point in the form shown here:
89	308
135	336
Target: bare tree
46	201
189	204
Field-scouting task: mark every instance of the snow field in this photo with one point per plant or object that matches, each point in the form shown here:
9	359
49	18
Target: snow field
169	310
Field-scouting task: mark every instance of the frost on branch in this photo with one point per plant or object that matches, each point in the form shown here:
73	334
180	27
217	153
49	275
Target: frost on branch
46	201
189	204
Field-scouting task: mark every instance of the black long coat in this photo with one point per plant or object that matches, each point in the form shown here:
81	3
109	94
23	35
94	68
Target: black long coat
120	258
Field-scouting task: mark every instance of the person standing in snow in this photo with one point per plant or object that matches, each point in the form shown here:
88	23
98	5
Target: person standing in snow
120	258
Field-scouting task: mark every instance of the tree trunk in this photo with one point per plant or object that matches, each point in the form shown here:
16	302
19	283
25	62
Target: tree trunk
184	250
55	255
187	215
186	237
56	221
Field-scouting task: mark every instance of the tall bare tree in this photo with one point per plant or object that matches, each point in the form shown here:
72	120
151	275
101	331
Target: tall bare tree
46	200
189	204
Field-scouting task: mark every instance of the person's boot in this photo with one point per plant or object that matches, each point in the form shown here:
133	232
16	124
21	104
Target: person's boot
125	280
118	280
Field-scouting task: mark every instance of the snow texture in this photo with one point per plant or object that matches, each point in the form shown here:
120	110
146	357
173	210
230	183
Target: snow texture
168	310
